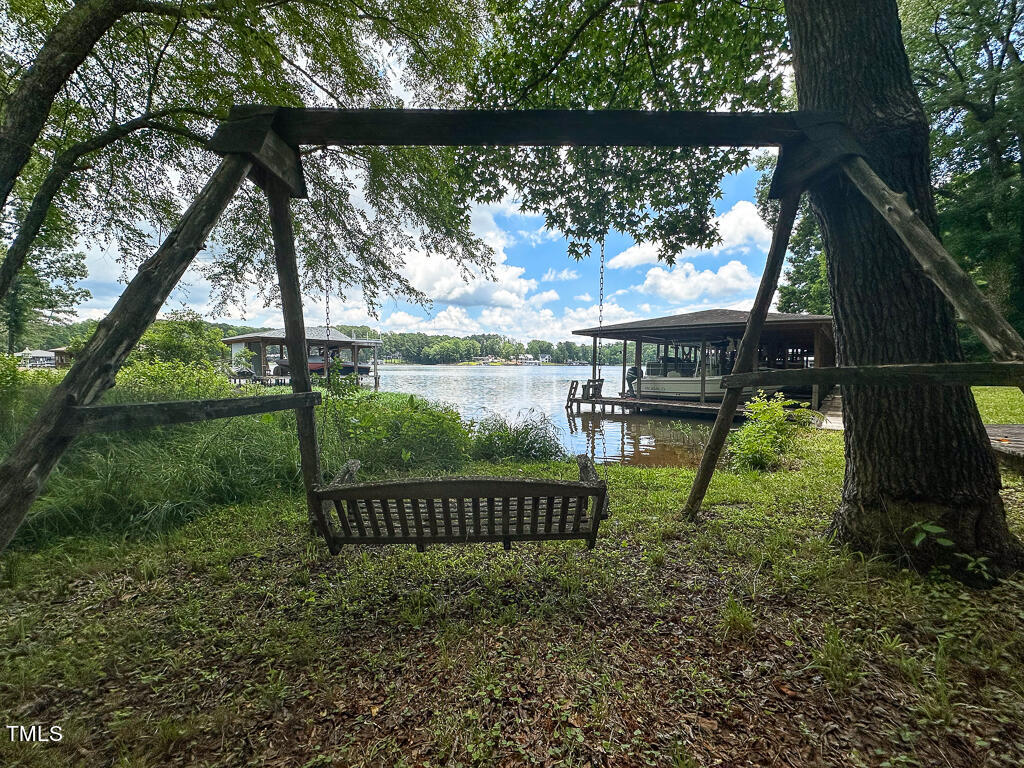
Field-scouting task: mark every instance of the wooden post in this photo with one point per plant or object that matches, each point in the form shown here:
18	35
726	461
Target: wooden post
593	361
1001	339
638	354
703	368
624	345
32	458
295	338
376	373
746	355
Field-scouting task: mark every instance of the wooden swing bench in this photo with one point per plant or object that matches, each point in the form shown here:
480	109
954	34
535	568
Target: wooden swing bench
454	510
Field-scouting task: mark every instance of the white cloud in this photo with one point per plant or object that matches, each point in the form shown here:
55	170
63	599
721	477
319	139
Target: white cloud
540	235
740	228
531	323
634	256
453	321
742	225
686	283
545	297
566	274
583	297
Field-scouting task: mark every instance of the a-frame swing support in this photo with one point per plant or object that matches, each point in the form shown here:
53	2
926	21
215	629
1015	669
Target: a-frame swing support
263	143
828	147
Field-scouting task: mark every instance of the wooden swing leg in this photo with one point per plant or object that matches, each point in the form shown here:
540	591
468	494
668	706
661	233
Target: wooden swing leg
746	355
41	446
295	338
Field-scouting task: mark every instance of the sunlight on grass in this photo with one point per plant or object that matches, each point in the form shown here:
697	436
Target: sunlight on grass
1000	405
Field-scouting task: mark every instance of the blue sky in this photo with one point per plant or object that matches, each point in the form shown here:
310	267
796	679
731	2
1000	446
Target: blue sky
539	292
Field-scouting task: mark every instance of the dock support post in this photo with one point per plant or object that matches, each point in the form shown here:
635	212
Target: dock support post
624	345
747	353
376	372
638	352
703	368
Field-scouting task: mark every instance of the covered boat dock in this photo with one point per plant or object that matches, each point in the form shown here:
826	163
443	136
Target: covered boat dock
324	345
690	346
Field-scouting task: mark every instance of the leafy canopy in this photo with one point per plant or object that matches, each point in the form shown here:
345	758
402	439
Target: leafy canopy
178	67
604	54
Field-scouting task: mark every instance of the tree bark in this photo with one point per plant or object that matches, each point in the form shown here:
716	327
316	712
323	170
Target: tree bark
33	457
28	106
913	454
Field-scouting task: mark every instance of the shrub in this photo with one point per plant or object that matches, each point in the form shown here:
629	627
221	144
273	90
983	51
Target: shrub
763	441
533	436
390	432
149	380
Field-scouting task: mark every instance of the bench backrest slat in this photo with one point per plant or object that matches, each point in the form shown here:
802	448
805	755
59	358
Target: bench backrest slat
389	523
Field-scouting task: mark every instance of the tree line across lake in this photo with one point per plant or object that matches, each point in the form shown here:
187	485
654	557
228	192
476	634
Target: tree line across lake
183	335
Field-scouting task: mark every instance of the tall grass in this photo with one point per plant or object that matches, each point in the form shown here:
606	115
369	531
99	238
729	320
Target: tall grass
531	436
139	482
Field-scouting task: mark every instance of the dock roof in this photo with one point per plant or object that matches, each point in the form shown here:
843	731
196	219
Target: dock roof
707	323
315	334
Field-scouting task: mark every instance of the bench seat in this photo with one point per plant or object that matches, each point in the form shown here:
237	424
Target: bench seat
426	511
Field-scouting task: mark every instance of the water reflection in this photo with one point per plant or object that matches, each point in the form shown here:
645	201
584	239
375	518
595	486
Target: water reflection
512	391
638	439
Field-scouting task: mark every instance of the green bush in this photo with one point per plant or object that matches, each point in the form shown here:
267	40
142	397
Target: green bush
149	380
532	437
389	432
767	435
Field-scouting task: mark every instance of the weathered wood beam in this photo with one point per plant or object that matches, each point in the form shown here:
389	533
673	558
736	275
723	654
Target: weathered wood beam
251	132
114	418
998	336
825	143
295	339
534	127
746	355
33	457
953	374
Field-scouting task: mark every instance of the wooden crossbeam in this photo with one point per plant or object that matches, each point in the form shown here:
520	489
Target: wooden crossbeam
954	374
825	143
251	132
115	418
455	127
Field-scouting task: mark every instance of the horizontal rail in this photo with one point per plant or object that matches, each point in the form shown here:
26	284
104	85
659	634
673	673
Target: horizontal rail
458	488
298	126
976	374
114	418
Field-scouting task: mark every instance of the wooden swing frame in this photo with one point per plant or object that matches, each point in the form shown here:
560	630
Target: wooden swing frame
264	143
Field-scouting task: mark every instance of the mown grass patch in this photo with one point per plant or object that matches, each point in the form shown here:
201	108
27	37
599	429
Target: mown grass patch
1000	405
235	639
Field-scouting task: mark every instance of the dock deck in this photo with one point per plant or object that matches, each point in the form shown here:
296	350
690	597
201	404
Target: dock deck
1008	443
646	405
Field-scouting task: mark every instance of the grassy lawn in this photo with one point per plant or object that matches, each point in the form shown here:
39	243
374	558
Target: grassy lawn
1000	405
744	640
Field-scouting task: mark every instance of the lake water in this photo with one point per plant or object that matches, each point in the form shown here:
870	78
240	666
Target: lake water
514	390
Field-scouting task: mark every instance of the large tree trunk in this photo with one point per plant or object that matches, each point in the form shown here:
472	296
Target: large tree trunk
913	455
